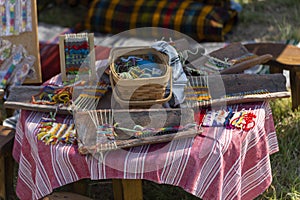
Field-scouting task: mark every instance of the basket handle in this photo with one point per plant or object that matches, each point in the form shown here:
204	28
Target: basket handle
139	102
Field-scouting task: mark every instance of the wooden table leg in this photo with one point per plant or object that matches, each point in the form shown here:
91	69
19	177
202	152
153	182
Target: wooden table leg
6	176
127	189
6	162
276	69
2	178
295	88
80	187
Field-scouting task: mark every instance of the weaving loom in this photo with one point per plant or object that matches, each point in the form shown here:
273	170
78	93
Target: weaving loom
77	56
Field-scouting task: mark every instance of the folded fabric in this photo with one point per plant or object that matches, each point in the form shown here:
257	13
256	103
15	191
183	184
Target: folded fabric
201	20
179	78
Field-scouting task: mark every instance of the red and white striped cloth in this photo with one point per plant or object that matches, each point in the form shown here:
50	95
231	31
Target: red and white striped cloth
218	164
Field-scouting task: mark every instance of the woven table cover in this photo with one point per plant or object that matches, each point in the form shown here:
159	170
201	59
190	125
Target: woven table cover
218	164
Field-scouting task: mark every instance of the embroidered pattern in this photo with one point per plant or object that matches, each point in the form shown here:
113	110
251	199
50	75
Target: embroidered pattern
15	17
15	64
243	120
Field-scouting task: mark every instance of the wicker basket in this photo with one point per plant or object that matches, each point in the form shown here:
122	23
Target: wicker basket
138	104
140	89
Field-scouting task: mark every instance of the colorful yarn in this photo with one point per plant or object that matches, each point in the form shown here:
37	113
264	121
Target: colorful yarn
50	96
17	57
3	15
51	132
134	67
76	54
11	6
7	75
243	120
23	15
104	132
197	93
90	96
227	123
197	89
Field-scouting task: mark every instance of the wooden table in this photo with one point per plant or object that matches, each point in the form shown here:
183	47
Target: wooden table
285	57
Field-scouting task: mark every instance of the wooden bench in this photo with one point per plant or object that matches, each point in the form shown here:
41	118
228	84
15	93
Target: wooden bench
285	57
6	162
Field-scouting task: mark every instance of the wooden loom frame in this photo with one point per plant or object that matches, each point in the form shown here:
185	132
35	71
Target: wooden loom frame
63	57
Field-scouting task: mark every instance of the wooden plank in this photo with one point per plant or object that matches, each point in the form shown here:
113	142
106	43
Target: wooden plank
2	177
235	83
213	102
245	99
230	51
35	107
236	50
62	58
24	93
240	67
219	85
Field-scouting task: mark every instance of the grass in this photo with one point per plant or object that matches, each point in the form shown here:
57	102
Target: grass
285	163
267	20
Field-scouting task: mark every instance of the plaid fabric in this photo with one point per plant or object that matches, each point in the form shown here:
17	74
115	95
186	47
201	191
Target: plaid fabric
198	20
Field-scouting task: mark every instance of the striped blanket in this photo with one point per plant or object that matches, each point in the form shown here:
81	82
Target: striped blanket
207	20
218	164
